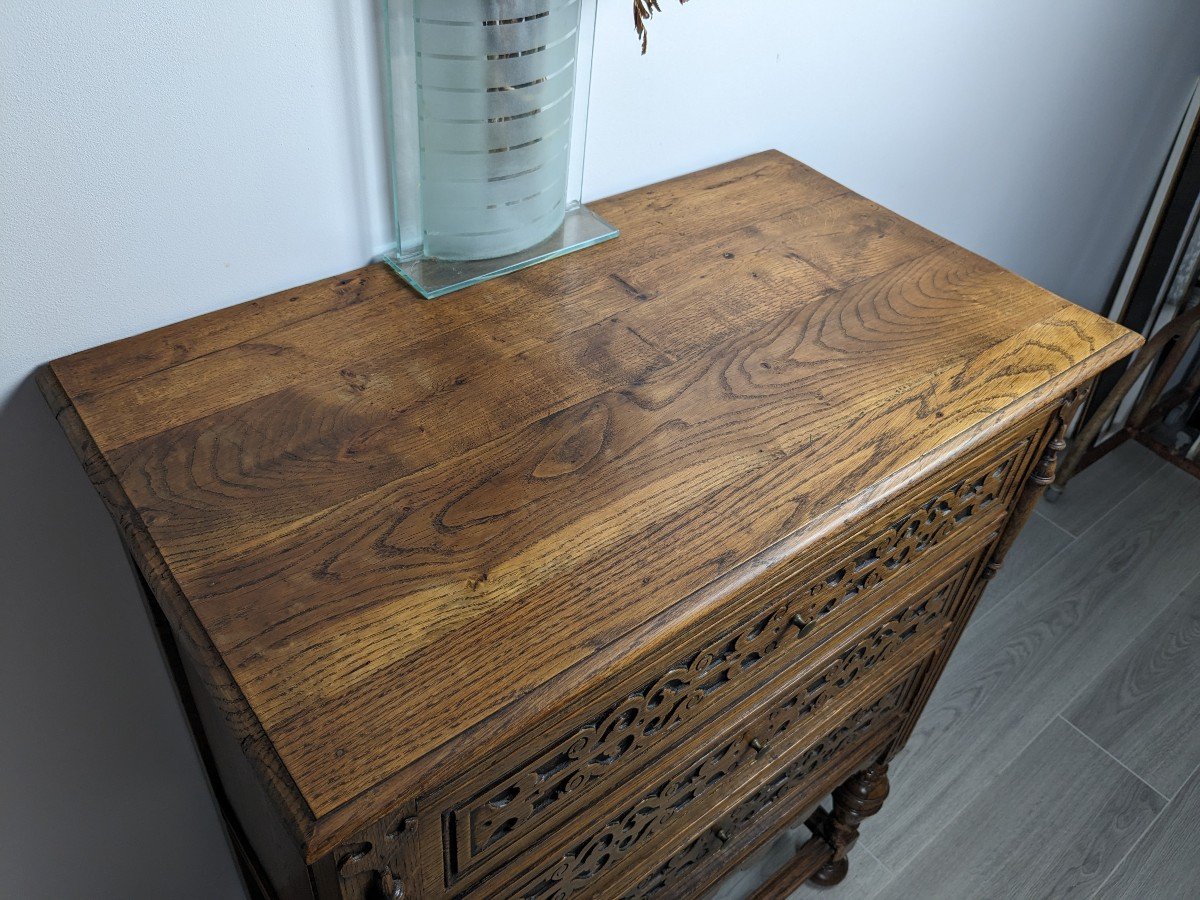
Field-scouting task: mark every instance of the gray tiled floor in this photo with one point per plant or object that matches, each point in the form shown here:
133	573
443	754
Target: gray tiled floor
1060	754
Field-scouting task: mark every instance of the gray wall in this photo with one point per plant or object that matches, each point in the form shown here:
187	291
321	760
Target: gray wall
162	159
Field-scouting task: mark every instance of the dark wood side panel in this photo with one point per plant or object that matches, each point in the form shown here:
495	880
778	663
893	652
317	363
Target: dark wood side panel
271	847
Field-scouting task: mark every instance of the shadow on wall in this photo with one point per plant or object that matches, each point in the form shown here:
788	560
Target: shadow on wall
95	758
360	29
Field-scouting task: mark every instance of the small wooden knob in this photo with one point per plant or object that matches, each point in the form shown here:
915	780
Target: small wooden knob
722	835
756	745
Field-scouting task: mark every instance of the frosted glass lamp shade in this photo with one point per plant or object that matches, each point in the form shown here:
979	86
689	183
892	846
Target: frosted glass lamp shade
488	102
495	81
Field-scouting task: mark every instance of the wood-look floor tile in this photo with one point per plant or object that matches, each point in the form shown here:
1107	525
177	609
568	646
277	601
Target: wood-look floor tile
1022	660
1098	488
1144	708
1040	540
1165	863
741	883
1054	823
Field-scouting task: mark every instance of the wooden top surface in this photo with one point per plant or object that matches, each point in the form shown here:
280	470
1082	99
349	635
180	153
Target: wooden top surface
390	519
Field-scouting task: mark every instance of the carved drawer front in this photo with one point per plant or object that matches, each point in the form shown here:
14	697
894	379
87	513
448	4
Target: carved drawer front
487	820
798	784
770	729
969	501
669	806
815	769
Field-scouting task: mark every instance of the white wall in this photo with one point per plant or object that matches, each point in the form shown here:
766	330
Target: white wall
162	159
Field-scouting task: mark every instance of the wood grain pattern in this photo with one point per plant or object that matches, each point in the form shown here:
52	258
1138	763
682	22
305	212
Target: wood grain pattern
1098	488
1066	814
343	495
1142	709
1163	863
1038	544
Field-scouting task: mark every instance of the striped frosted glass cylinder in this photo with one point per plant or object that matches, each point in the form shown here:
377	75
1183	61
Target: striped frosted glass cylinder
496	83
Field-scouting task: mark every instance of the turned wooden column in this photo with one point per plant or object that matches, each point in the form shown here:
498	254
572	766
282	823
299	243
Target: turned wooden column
858	798
1040	479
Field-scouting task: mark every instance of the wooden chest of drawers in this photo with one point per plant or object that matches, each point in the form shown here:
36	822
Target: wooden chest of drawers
587	581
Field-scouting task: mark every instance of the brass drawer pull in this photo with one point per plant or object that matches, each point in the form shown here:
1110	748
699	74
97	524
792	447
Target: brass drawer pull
721	834
757	746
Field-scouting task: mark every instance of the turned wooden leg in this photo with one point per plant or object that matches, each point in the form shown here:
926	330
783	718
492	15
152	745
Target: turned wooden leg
833	872
1041	478
858	798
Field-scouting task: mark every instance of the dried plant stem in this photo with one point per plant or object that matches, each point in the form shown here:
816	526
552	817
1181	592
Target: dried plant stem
643	10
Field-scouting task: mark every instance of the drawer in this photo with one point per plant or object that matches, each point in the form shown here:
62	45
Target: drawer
487	820
798	785
761	740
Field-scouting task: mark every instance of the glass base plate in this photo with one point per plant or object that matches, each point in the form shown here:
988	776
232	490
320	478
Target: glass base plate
433	277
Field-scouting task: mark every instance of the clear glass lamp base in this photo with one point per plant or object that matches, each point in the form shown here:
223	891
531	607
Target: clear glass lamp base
432	277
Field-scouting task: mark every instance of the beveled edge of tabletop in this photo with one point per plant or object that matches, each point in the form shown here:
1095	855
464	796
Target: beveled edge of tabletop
192	636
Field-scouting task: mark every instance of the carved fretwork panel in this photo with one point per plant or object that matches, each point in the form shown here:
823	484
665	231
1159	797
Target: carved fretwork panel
611	744
828	749
580	866
913	534
381	863
921	617
621	734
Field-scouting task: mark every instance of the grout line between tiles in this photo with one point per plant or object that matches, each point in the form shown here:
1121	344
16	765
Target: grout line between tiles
981	615
888	874
989	609
1124	856
1091	741
1192	774
1037	512
1049	559
1117	501
882	864
1116	504
982	786
1193	582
